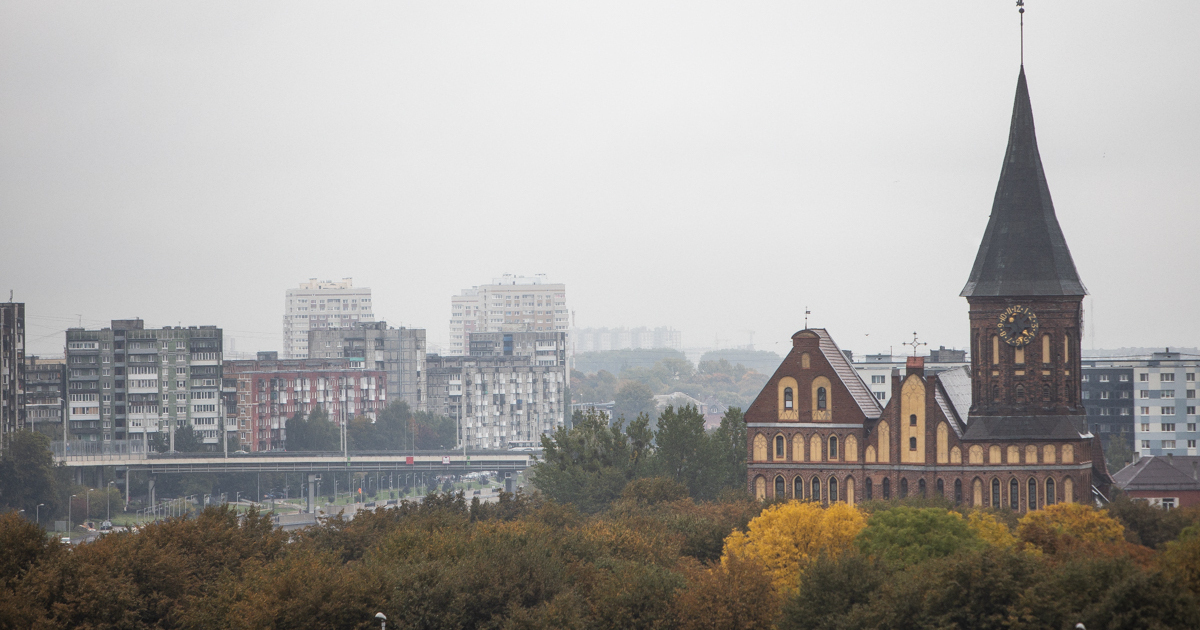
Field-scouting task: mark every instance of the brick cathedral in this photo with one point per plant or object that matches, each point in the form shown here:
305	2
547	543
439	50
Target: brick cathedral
1008	433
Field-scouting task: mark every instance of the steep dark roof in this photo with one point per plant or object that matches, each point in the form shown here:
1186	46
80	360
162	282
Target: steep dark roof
1025	428
1023	252
1160	473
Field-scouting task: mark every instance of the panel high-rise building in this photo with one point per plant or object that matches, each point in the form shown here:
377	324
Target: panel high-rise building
509	304
12	369
318	305
399	352
127	382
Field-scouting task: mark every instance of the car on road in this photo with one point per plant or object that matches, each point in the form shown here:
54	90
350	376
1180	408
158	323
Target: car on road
66	540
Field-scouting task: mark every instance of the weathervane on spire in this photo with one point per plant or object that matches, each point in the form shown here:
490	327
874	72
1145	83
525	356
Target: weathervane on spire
806	314
914	344
1021	10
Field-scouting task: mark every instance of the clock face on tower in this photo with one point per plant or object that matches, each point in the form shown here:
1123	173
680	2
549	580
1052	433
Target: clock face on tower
1018	325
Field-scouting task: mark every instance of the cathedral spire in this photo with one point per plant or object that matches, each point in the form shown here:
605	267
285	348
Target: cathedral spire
1023	252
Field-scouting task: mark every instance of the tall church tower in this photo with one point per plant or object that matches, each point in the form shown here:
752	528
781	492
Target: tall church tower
1025	301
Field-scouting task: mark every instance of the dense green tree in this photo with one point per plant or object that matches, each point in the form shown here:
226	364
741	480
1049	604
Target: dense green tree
1147	524
905	535
729	451
312	432
633	399
435	432
1117	453
589	464
189	440
833	587
27	474
683	452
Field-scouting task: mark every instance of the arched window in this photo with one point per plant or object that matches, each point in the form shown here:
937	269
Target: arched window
805	361
921	487
996	493
821	402
1050	500
1020	393
995	393
833	447
903	487
788	398
1068	490
958	491
1032	494
833	490
780	488
1046	393
887	488
869	486
798	488
912	420
760	448
780	447
940	488
760	488
815	495
1014	495
912	443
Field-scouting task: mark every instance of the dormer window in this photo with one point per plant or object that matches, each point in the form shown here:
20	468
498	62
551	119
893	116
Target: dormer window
787	398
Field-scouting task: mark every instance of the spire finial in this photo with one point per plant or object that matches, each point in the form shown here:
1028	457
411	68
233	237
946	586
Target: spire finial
806	314
1021	11
915	344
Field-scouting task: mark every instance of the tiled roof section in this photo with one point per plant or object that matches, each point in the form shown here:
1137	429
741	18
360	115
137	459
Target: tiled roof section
1023	252
848	375
1160	473
943	402
957	382
1025	428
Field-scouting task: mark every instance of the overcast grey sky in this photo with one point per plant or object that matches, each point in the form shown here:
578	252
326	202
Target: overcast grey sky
709	166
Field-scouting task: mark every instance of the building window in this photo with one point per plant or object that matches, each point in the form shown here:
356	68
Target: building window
1167	411
1145	411
779	487
1143	377
881	395
958	491
996	494
833	447
1046	393
912	443
940	488
1168	426
1032	494
1103	378
798	487
1167	377
833	490
1050	498
1103	395
1014	495
921	487
816	489
870	489
903	487
878	378
887	489
1020	393
1191	427
1191	444
787	398
821	402
1145	443
1124	378
995	393
1168	444
779	447
912	420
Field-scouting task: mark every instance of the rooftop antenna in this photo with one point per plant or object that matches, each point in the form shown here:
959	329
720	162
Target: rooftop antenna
806	314
914	343
1021	11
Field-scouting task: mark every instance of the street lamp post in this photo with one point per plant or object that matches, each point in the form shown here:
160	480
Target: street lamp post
37	513
382	620
108	500
70	503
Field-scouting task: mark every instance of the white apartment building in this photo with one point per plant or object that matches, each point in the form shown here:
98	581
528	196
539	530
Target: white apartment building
318	305
1164	404
875	369
509	304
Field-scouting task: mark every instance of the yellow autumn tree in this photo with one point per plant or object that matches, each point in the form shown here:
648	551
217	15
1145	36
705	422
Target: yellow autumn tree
786	535
990	530
1071	526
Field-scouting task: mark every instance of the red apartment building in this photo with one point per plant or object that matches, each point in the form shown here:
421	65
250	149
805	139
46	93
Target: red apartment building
260	395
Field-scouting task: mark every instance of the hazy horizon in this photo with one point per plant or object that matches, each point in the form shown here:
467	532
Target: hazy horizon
711	167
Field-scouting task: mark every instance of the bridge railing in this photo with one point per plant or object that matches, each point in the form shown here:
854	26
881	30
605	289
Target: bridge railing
98	451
